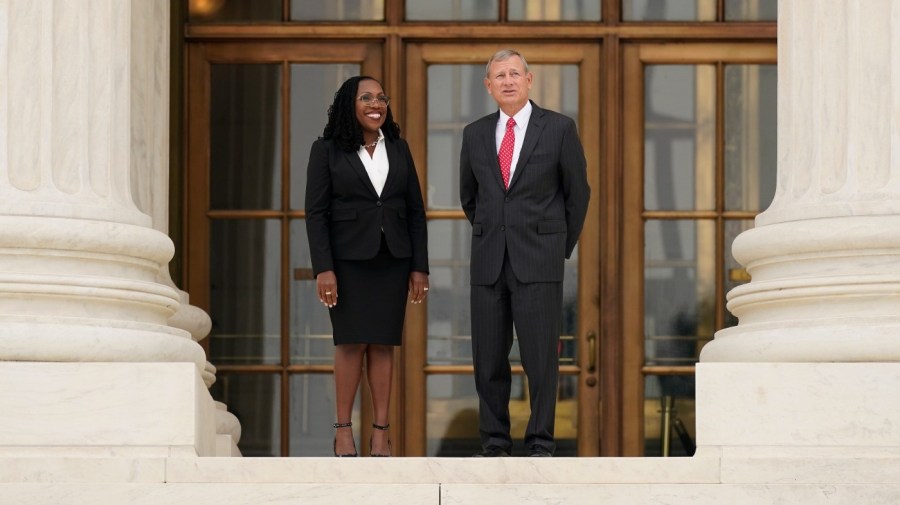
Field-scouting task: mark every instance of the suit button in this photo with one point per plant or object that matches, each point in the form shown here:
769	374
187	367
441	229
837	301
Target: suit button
503	228
378	204
506	199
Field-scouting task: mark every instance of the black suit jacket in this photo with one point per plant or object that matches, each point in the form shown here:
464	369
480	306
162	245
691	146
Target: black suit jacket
345	216
538	220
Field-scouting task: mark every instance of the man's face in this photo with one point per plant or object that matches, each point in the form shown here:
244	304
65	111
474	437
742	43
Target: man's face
508	82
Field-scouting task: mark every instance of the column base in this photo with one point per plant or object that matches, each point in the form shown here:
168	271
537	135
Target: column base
792	408
120	408
821	290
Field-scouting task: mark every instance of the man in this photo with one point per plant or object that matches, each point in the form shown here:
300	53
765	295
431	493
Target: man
523	187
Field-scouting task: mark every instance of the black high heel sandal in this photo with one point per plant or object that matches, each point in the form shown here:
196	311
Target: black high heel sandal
382	428
348	455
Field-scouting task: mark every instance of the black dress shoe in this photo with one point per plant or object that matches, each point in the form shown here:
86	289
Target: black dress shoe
539	451
492	451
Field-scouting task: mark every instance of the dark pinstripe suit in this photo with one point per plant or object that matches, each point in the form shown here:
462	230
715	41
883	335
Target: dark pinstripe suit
520	239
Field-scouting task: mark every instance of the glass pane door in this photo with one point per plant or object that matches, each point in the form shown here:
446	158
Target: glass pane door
700	164
255	111
452	96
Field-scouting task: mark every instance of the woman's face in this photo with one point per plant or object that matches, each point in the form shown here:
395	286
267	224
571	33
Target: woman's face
371	110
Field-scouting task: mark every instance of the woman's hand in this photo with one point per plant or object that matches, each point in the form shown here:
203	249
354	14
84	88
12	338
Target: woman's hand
326	285
418	287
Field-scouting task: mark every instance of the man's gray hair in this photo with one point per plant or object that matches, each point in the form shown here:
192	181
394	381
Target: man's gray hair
503	55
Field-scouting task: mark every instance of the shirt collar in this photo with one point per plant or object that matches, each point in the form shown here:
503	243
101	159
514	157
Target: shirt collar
521	117
378	141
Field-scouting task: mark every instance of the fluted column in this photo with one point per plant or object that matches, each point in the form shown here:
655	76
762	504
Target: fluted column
79	262
824	258
807	377
150	121
92	331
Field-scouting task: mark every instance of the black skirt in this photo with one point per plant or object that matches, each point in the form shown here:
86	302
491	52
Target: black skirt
372	298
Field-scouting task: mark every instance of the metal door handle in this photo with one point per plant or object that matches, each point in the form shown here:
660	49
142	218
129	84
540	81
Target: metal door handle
592	351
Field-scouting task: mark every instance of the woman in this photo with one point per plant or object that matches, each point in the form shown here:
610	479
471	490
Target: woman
365	220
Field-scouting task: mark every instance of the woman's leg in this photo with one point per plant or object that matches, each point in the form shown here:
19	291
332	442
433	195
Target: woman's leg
348	359
380	369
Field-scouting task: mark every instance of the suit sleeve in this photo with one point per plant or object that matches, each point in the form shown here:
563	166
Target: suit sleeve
415	207
576	191
318	204
468	184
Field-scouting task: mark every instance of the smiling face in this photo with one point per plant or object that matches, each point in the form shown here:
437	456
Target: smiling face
508	82
371	115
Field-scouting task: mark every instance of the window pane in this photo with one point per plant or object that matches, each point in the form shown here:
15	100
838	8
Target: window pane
566	432
680	134
556	87
245	137
679	290
452	415
456	97
223	11
669	10
452	10
670	398
337	10
568	344
312	414
255	400
449	321
751	10
311	341
751	96
312	91
554	10
245	291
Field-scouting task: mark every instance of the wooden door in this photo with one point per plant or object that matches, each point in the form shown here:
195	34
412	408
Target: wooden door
254	109
444	91
699	164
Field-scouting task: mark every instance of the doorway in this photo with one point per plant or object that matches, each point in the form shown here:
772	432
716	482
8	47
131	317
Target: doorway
444	92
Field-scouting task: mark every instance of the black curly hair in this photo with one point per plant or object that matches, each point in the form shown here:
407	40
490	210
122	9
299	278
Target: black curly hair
342	126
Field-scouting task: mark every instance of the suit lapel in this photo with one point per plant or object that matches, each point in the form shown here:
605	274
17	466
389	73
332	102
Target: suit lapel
393	156
532	134
360	169
489	134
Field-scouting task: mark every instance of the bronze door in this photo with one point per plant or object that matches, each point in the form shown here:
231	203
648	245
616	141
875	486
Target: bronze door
444	92
699	164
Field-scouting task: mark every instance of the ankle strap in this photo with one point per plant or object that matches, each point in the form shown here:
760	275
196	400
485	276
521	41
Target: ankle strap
380	427
343	425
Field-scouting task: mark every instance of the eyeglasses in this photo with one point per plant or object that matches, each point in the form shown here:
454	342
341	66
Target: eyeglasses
370	99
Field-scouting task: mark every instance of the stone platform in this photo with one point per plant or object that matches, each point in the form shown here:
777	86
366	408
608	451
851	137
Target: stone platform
753	476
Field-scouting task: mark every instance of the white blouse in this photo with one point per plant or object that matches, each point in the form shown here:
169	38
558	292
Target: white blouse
376	164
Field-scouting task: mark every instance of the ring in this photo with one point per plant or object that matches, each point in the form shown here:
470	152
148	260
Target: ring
426	289
328	292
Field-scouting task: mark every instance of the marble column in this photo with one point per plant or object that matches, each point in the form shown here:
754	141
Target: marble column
150	71
814	358
85	299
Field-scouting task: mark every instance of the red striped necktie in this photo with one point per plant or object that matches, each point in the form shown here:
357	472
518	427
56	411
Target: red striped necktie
505	155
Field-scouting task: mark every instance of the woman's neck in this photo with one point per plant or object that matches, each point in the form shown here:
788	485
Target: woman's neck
370	139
